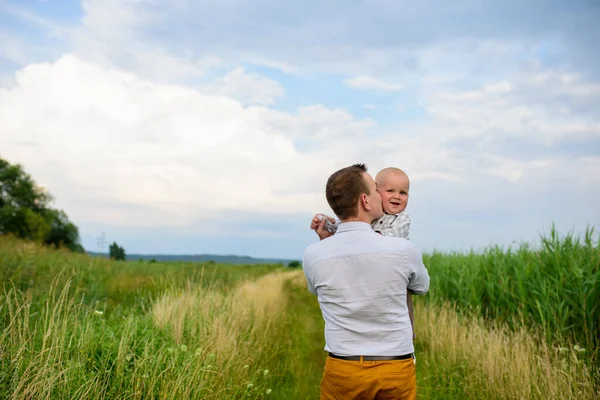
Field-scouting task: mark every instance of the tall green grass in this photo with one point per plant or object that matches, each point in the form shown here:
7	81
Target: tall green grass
117	287
553	289
75	327
467	357
72	326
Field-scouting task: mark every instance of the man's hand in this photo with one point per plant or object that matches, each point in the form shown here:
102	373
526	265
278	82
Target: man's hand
318	225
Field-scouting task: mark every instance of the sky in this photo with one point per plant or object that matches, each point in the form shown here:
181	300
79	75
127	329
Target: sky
195	127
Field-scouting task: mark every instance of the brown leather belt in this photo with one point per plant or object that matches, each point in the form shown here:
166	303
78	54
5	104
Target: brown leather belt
371	358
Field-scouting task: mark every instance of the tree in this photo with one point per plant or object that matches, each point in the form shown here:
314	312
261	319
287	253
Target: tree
62	231
116	252
294	264
19	191
25	211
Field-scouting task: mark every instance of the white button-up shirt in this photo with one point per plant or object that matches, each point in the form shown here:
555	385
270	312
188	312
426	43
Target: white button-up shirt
361	278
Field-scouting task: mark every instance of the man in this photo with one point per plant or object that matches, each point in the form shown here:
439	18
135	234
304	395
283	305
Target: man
361	279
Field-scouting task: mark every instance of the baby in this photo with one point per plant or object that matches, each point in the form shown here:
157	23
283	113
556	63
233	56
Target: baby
393	186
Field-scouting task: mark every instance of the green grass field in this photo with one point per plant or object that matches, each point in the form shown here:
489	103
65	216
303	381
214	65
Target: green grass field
519	323
554	289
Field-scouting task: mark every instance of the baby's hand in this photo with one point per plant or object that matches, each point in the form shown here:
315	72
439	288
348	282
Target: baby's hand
317	220
319	224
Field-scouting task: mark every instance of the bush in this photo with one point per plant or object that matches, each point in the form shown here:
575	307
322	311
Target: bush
116	252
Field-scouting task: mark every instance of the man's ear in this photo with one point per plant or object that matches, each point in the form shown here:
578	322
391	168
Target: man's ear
364	201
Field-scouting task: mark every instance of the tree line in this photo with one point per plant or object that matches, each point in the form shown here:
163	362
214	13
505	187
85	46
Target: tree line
25	212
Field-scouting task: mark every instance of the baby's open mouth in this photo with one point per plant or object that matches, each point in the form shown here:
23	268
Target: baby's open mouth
395	203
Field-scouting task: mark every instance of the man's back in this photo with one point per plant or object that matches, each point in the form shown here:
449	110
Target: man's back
361	279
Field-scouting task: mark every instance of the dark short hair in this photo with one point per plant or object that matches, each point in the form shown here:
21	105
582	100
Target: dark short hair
343	189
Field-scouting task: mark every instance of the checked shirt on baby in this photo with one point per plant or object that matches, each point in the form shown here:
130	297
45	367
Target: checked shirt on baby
396	225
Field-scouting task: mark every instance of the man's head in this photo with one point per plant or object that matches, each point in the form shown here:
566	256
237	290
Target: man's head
393	185
352	195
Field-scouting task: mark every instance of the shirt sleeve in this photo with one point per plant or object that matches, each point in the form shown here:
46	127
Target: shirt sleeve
331	227
306	267
419	279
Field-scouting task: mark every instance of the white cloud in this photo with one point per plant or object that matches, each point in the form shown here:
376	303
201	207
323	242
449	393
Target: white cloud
113	33
542	107
512	170
115	18
371	83
248	87
113	147
319	124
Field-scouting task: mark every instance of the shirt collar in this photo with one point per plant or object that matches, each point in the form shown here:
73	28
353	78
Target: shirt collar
353	226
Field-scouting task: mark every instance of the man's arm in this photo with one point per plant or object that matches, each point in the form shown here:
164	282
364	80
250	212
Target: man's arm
306	267
419	281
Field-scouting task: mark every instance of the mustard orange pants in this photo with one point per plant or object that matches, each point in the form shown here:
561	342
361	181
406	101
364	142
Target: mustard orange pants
369	380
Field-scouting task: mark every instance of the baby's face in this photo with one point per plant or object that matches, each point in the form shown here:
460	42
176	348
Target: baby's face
394	192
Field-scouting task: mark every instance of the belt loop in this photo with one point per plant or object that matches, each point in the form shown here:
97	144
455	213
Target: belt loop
362	361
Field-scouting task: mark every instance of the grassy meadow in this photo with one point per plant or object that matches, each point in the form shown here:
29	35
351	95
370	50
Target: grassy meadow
505	324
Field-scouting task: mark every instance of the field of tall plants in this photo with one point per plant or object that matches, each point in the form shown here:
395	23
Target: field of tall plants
554	289
503	324
78	327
